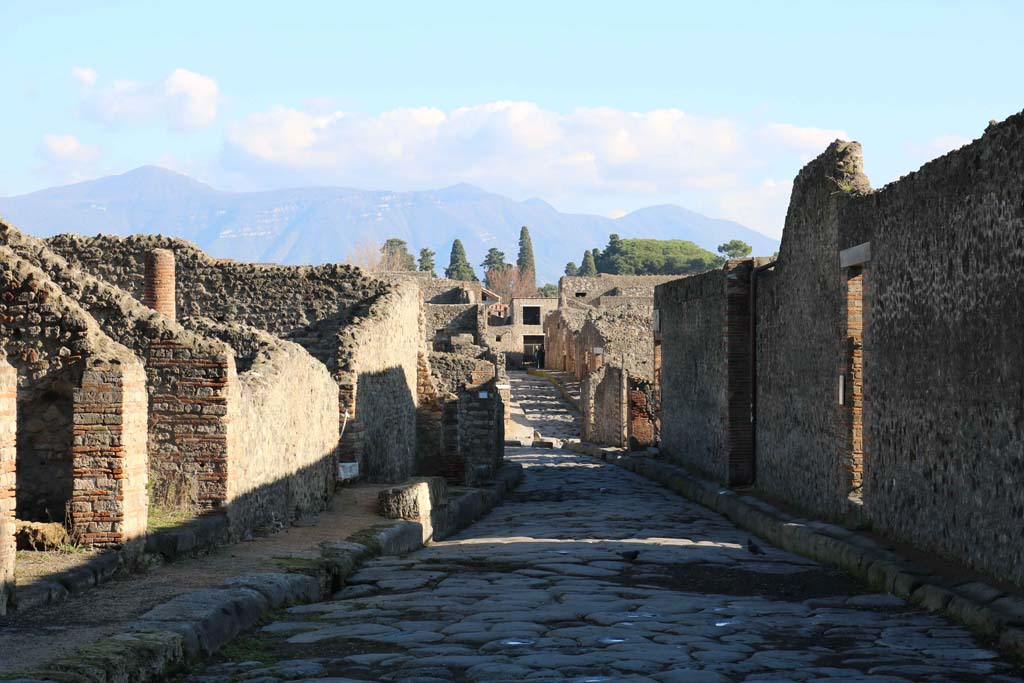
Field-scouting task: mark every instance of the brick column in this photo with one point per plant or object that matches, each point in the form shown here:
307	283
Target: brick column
8	402
158	292
108	504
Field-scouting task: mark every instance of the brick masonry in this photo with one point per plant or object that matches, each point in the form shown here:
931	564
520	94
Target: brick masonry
159	282
8	454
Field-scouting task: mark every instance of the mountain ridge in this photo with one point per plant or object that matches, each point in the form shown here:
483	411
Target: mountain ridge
321	224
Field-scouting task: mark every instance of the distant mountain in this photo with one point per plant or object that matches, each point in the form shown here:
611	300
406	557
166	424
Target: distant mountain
320	224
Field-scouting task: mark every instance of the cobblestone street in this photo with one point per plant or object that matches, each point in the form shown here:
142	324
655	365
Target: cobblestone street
590	573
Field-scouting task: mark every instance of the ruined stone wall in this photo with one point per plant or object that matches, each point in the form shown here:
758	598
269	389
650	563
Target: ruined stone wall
706	379
589	289
376	369
438	290
943	353
8	473
694	372
799	307
930	305
284	433
81	437
560	331
624	333
443	321
278	299
603	398
481	432
189	378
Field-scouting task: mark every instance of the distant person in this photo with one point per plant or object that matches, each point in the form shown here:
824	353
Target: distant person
539	358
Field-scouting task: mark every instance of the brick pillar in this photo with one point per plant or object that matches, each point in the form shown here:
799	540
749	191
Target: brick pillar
158	291
108	504
8	402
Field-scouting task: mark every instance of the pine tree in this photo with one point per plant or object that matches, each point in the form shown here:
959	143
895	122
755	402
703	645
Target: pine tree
589	267
495	260
735	249
571	269
527	267
458	265
427	261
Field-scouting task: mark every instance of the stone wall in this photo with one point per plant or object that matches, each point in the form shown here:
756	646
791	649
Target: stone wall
509	334
481	422
188	380
284	433
561	329
438	290
443	321
376	369
589	289
603	399
890	354
705	379
278	299
8	472
81	433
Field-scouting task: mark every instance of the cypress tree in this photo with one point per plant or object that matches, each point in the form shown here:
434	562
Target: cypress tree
525	261
458	265
589	267
571	269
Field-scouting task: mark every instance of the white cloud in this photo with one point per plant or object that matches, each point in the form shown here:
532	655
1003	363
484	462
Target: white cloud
803	139
66	149
519	148
85	75
66	159
185	100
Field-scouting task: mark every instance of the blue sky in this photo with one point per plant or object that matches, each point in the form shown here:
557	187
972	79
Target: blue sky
595	107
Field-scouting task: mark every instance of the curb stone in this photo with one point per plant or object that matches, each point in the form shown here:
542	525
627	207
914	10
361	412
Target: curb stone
986	609
166	638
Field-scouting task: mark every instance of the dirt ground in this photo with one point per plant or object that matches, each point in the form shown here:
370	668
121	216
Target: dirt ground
43	634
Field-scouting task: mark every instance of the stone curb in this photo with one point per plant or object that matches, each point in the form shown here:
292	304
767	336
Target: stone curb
985	609
169	636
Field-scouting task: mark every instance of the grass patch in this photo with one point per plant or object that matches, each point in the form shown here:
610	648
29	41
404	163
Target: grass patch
164	518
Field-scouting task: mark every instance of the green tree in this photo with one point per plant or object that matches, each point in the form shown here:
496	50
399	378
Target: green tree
571	269
495	260
735	249
525	261
653	257
596	253
427	261
548	290
613	259
589	267
395	255
458	265
493	266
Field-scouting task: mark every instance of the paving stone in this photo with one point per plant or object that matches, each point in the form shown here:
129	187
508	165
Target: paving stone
538	591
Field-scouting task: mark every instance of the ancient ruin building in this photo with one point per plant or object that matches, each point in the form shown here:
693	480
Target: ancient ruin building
883	384
518	331
600	335
152	378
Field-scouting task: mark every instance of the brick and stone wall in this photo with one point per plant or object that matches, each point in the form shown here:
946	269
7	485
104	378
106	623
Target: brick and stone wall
8	473
159	282
889	380
188	380
438	290
705	380
81	432
643	413
284	430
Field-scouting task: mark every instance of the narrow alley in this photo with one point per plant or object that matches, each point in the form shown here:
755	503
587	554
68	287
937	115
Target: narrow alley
590	573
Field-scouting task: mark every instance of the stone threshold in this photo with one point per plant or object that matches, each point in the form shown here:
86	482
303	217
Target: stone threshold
168	638
988	610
